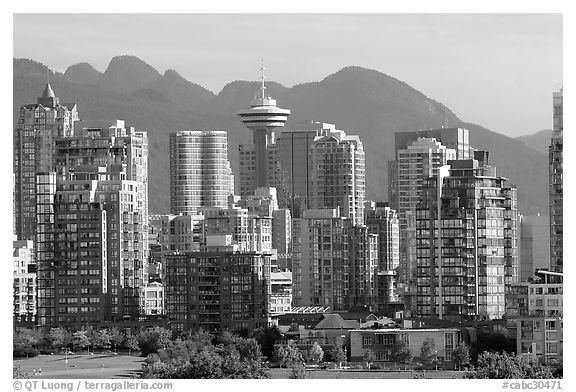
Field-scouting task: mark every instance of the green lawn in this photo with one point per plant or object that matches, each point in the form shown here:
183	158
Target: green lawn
360	374
124	366
82	366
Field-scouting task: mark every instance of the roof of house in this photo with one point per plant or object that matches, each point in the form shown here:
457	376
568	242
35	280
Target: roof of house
333	321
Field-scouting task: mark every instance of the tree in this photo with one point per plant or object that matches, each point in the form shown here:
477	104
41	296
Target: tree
230	357
401	354
57	337
369	357
24	343
267	338
131	343
116	337
315	354
80	339
294	327
151	341
461	355
287	354
101	339
298	371
428	352
503	366
338	354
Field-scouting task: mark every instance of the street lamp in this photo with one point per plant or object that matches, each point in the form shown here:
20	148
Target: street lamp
436	359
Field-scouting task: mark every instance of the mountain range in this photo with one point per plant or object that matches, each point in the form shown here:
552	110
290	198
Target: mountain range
358	100
538	141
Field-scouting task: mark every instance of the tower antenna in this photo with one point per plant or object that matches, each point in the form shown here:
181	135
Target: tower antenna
263	77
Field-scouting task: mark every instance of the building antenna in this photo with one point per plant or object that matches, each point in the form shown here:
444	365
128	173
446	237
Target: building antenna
263	77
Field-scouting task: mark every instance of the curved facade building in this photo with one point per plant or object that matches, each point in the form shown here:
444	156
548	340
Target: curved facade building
200	174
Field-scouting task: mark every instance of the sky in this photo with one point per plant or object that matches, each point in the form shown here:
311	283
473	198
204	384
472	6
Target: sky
496	70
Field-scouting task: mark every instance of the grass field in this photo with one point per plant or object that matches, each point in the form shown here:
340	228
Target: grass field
82	366
364	374
123	366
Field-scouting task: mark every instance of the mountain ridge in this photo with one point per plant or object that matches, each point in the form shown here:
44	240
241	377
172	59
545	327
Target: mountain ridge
358	100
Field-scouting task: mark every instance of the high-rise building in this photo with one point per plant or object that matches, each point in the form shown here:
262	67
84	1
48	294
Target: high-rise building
333	261
534	245
468	257
282	237
555	164
320	272
200	174
383	221
92	232
38	126
338	175
419	160
218	288
24	288
262	118
293	150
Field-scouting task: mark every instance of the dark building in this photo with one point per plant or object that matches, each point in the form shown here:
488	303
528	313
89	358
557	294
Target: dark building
555	161
218	289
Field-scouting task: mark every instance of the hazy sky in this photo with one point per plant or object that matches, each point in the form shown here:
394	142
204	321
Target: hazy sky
497	70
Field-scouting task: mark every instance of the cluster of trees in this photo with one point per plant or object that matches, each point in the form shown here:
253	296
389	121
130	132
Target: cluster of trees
504	366
202	355
29	342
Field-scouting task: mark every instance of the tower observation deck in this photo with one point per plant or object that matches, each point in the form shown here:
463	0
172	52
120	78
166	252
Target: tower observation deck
262	117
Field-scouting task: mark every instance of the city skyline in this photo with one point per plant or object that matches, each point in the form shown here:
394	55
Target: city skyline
518	59
298	265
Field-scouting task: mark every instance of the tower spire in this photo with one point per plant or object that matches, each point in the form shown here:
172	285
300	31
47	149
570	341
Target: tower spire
263	77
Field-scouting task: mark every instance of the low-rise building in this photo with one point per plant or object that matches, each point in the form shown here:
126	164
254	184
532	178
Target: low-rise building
539	338
382	340
24	288
281	292
153	299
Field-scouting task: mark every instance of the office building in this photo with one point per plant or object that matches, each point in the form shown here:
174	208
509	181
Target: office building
200	174
218	288
338	175
534	245
465	262
293	151
24	288
262	118
555	161
38	126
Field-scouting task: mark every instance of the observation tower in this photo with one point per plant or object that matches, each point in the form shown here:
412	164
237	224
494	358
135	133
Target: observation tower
262	118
